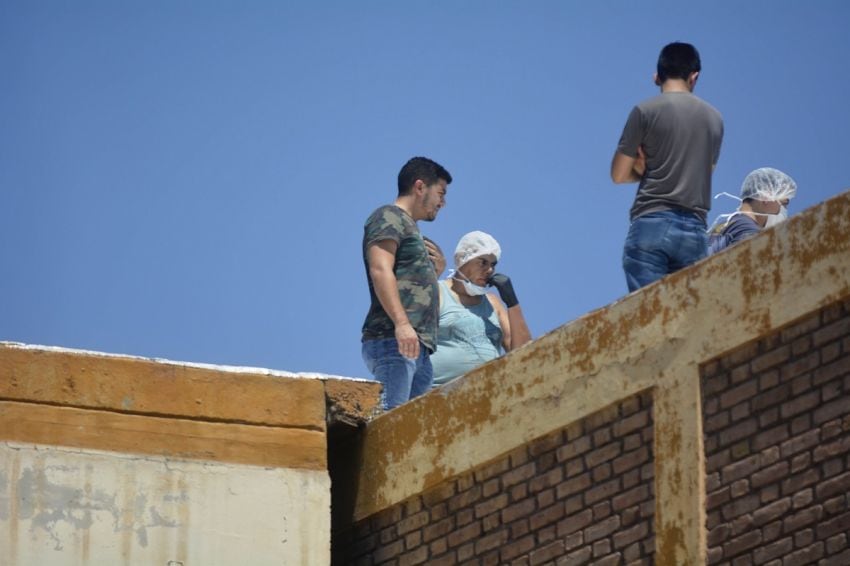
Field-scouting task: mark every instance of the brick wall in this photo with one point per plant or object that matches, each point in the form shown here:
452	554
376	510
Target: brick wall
575	496
777	444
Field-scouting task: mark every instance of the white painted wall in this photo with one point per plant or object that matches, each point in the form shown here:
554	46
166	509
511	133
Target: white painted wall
79	507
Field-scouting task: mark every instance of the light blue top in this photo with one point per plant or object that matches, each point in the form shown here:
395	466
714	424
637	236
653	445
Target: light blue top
467	336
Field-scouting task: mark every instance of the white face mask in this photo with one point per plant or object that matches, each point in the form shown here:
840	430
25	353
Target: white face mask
471	288
778	218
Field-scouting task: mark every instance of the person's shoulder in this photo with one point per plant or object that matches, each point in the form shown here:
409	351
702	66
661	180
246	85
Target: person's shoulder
740	227
707	106
388	214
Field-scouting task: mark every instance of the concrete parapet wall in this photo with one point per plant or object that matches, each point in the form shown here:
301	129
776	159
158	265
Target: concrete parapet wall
654	340
110	459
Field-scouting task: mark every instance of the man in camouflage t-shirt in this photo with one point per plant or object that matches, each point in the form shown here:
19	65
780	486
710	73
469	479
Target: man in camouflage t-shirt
400	330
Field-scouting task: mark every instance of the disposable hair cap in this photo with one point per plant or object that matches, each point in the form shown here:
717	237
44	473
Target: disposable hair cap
768	184
476	244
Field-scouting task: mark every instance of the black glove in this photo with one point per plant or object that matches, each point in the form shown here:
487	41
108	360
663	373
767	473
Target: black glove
503	284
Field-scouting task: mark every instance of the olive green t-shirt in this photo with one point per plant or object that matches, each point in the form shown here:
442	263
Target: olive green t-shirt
414	272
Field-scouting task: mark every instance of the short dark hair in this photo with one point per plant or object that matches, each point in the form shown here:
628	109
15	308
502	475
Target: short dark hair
677	61
429	171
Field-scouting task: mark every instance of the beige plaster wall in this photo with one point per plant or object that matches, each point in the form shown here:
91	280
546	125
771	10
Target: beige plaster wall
74	507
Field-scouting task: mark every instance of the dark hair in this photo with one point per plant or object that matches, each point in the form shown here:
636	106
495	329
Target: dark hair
420	168
677	61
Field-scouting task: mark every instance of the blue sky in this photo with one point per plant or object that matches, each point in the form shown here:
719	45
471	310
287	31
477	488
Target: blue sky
189	180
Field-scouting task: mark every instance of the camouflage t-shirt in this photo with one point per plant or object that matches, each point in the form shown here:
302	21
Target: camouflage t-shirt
417	281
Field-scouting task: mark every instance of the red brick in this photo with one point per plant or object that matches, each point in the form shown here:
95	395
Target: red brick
581	556
518	492
739	488
798	443
740	506
628	536
741	469
602	491
744	542
804	538
773	550
831	332
516	548
418	556
466	552
801	345
465	481
464	534
492	470
465	498
491	505
440	546
548	552
797	482
831	410
573	485
736	395
800	519
738	431
830	391
547	443
601	472
805	556
438	494
387	517
546	516
770	359
799	404
800	366
521	509
801	424
742	355
602	418
413	540
630	498
574	448
438	529
491	541
388	551
842	559
464	517
834	486
601	529
574	523
490	487
836	543
831	371
770	437
769	493
550	479
413	522
772	531
805	326
769	475
518	456
830	352
518	475
714	385
717	422
491	521
802	498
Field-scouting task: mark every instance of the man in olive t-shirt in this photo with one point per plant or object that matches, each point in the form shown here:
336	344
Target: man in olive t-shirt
670	144
400	330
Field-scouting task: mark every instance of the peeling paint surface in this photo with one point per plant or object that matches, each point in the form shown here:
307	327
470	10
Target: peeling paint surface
652	339
61	507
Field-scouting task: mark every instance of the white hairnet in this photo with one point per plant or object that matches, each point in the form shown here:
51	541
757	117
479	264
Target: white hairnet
768	184
476	244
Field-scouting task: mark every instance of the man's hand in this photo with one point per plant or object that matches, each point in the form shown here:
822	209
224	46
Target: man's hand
435	254
503	284
408	341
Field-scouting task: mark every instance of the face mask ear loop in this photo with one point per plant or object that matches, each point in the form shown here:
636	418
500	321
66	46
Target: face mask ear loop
718	195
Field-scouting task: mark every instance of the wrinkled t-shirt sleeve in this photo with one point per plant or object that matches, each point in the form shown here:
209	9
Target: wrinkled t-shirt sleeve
385	224
632	134
740	229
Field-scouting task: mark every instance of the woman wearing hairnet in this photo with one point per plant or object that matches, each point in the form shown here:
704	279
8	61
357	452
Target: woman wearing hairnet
474	325
764	197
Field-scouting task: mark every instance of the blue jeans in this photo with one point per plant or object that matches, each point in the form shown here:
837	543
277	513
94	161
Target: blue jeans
660	243
403	378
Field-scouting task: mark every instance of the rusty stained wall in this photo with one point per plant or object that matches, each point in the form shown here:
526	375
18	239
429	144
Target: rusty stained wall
71	507
654	338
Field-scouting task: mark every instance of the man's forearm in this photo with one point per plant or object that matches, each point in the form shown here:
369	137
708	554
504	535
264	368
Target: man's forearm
386	289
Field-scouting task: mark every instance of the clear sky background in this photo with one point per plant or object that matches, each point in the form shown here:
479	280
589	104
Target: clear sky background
189	180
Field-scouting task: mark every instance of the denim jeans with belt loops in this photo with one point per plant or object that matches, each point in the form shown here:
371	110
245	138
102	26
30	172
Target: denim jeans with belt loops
403	378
